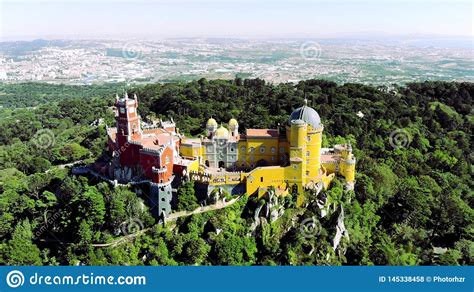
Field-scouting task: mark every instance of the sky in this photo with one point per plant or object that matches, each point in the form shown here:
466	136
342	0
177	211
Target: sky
29	19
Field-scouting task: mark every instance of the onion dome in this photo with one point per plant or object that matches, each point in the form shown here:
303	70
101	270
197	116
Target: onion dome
307	114
211	122
221	133
233	123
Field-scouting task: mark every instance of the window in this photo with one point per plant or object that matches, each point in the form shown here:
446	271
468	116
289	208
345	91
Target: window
273	149
251	158
295	166
262	149
242	149
282	149
131	110
308	153
261	179
273	158
167	160
308	138
209	148
231	149
122	110
252	149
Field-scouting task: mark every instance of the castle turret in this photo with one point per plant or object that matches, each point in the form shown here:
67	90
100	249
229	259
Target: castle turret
211	127
234	127
297	171
128	124
312	139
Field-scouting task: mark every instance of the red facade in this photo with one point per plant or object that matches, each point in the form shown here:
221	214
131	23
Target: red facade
152	151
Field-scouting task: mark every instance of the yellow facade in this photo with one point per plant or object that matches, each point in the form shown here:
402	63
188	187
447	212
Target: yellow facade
191	149
344	164
258	151
284	163
193	166
313	153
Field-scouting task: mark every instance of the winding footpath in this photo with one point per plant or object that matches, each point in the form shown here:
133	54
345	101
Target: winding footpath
172	217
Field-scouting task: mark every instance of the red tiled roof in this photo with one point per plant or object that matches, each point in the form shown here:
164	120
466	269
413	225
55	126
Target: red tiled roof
330	157
268	133
154	131
155	141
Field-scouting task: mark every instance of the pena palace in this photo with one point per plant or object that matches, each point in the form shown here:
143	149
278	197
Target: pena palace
287	160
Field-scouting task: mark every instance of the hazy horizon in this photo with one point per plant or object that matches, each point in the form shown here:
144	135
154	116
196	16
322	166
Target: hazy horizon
117	19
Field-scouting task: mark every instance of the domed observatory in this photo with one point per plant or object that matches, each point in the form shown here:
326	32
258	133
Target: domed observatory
308	151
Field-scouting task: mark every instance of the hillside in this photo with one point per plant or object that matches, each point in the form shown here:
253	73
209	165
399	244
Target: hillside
412	203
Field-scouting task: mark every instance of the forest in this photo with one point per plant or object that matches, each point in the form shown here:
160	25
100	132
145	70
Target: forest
412	203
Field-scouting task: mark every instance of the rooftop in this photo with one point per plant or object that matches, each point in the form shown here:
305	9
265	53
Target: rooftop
267	133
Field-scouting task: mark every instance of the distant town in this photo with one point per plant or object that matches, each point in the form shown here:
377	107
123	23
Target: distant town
276	61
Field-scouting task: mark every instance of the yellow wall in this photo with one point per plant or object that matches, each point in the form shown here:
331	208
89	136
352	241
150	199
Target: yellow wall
313	153
330	166
348	171
249	157
275	176
346	168
193	166
191	150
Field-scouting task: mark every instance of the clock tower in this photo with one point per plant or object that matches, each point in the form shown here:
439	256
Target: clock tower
127	120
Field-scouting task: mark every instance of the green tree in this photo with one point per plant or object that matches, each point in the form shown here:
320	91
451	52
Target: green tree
186	197
21	250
